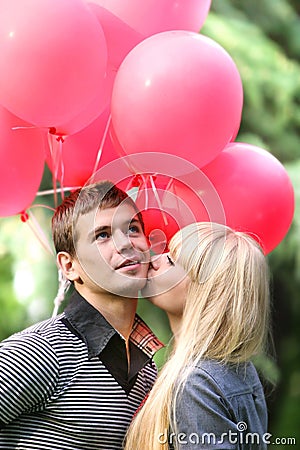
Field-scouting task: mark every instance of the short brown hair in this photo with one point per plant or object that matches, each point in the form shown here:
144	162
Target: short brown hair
103	195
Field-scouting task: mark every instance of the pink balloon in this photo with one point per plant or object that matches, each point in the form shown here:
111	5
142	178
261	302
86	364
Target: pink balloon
91	112
53	59
255	190
79	152
153	16
120	38
185	99
21	163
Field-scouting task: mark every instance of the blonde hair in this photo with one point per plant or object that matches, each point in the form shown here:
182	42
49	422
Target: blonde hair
226	318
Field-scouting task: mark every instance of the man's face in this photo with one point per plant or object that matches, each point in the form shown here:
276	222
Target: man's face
112	251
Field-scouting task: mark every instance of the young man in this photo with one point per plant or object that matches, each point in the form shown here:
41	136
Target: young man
74	382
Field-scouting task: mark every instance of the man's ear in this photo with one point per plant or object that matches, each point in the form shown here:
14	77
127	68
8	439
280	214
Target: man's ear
68	266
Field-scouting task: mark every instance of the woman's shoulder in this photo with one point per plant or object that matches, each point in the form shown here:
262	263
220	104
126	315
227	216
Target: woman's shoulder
230	379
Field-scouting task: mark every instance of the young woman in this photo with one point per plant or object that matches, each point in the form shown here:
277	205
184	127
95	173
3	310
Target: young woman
214	286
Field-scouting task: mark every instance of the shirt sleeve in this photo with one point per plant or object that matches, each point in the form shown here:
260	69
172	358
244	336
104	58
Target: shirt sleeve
29	371
204	418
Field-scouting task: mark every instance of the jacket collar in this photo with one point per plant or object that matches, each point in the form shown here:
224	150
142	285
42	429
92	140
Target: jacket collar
96	332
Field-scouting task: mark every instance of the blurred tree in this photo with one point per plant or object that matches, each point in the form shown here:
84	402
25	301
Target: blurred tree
12	312
285	265
271	114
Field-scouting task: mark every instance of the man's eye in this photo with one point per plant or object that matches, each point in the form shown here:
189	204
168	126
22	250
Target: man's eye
134	229
170	261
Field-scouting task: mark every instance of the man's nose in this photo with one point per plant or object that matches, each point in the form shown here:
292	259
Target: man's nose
122	241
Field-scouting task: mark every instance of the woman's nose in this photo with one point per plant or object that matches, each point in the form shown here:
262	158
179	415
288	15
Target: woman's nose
155	262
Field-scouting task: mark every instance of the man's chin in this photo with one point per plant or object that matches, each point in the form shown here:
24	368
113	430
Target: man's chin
131	288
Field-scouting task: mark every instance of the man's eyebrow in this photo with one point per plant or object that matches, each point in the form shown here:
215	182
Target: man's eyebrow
93	233
135	220
100	228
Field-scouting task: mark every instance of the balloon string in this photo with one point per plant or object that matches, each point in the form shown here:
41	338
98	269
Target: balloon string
119	149
131	183
39	205
33	224
104	137
55	145
62	167
31	127
55	168
169	184
51	192
144	186
63	283
23	128
158	200
135	181
131	168
56	156
172	185
63	286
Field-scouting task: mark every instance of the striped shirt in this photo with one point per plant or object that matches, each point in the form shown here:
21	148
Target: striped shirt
65	383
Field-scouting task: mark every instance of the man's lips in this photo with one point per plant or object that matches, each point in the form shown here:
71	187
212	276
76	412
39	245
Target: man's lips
129	264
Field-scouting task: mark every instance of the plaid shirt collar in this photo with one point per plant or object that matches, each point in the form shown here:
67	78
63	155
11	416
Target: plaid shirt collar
144	338
89	324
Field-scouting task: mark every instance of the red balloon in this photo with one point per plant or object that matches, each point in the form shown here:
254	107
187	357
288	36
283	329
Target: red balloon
159	228
79	153
255	190
89	114
53	59
192	200
185	97
120	37
153	16
21	163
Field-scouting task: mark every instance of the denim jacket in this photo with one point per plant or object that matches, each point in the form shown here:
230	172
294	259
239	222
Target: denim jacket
221	407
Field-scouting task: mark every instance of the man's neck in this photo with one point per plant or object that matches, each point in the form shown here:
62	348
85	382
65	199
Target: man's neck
118	311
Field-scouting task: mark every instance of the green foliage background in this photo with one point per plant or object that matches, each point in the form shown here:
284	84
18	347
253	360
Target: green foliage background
263	38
